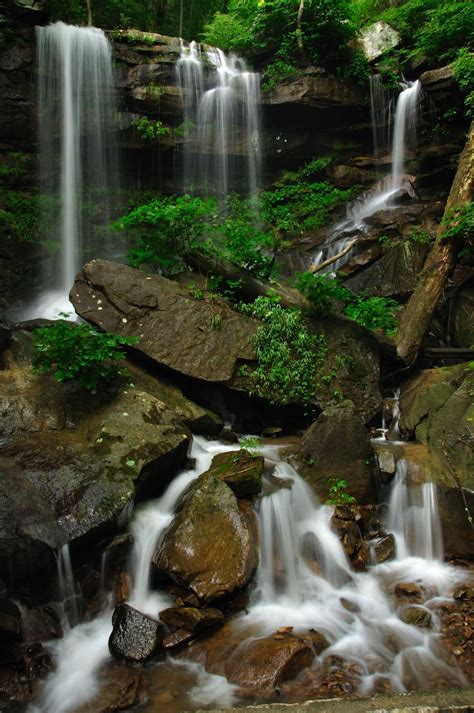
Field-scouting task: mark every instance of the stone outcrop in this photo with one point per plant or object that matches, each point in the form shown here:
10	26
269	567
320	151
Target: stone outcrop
177	331
336	446
211	547
316	88
73	461
378	38
241	471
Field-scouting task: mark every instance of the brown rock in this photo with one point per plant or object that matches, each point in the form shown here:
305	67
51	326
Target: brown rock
384	548
417	616
176	638
118	690
407	589
190	618
241	471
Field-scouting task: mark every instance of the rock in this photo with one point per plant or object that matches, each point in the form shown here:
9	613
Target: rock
438	80
119	690
176	638
5	334
10	619
462	318
73	461
135	636
407	589
40	624
417	616
317	640
177	332
316	88
268	662
393	275
378	38
211	546
344	176
354	546
190	618
319	457
241	471
384	548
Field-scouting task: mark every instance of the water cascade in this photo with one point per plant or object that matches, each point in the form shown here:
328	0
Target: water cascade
78	153
382	195
221	99
304	580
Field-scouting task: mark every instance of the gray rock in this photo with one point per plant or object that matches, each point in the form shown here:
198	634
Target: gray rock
135	636
378	38
316	88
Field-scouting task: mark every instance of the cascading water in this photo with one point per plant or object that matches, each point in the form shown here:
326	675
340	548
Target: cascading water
221	152
381	196
78	152
304	581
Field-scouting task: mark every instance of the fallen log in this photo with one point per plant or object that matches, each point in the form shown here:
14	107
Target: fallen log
419	311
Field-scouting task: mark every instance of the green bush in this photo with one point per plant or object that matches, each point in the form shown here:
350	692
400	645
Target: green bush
463	70
77	352
289	355
323	291
277	72
337	494
373	313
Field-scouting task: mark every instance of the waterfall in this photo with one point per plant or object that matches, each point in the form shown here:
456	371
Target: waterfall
404	128
382	195
67	589
78	152
378	112
221	153
414	517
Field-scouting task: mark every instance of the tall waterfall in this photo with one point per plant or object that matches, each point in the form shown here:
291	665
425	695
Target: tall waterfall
221	100
78	153
404	129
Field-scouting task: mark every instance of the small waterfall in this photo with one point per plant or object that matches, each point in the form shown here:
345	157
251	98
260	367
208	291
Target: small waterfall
222	151
67	588
414	517
404	129
78	152
378	113
383	194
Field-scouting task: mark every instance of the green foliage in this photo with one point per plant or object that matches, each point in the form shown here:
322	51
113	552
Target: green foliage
149	130
20	215
297	202
463	70
251	444
277	72
373	312
420	235
459	226
324	291
337	493
77	352
289	355
13	165
448	27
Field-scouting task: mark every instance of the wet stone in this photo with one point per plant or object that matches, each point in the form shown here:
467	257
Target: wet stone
10	619
384	548
176	638
407	589
135	637
190	618
416	616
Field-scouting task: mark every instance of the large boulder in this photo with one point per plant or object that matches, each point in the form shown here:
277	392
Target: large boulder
211	547
74	461
241	471
178	332
315	87
320	457
135	636
378	38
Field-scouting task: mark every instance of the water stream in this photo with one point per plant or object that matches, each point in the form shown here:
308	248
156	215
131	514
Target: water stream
304	581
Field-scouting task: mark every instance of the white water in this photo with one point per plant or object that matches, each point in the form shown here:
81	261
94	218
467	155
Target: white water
78	152
383	195
301	581
222	152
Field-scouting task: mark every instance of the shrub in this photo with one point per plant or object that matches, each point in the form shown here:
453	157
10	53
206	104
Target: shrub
463	70
78	352
337	494
289	355
321	290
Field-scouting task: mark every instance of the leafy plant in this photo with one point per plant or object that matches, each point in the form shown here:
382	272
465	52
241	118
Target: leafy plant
289	355
149	130
337	493
251	444
463	71
78	352
277	72
323	291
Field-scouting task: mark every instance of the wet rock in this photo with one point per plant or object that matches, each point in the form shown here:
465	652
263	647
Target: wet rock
5	334
176	638
407	589
12	688
393	275
40	624
384	548
354	546
211	546
344	176
177	332
10	619
266	663
316	88
119	690
135	636
241	471
439	80
191	619
317	640
319	457
417	616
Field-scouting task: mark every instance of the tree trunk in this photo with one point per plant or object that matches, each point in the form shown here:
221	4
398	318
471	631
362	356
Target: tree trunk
299	31
181	13
89	12
418	313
